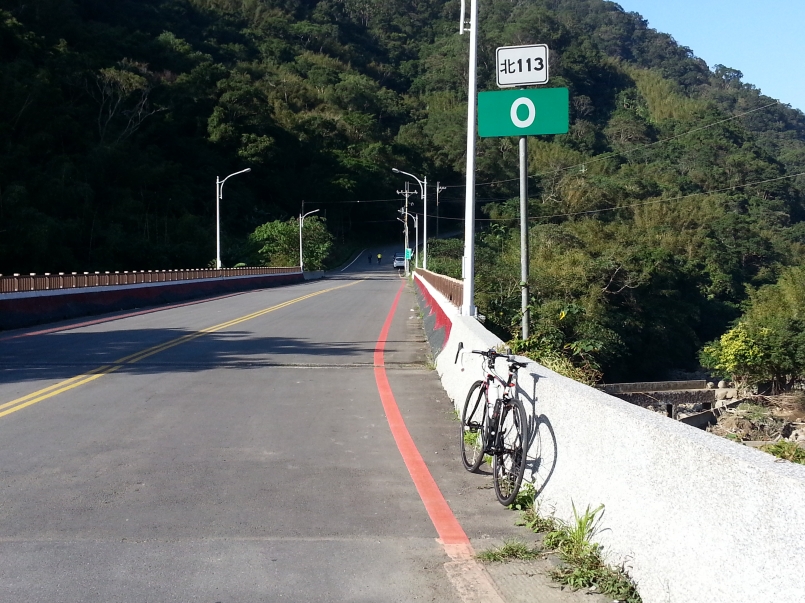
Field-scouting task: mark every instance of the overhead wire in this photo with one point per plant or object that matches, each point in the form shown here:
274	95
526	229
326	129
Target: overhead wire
631	205
623	153
584	163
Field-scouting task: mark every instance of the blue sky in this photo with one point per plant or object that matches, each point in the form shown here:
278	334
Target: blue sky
764	40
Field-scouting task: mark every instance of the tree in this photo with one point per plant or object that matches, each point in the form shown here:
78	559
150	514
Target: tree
277	243
768	342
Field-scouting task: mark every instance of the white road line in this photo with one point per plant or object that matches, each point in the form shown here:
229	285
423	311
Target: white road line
353	261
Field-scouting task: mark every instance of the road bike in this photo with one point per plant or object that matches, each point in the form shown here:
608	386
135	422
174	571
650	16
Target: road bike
498	428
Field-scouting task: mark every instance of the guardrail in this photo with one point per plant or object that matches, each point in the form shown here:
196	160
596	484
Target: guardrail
451	288
78	280
661	482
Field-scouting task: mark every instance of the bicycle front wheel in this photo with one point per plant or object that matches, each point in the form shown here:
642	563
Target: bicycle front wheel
508	465
473	427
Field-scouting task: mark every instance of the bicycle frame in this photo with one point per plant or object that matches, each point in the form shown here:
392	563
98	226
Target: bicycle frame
493	408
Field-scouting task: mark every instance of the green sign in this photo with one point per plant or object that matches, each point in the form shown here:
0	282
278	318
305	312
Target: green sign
408	254
523	112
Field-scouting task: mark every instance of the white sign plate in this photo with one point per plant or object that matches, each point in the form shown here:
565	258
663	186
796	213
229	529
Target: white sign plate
522	65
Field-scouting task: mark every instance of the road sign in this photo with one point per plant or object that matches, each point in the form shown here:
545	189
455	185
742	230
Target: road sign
522	65
523	112
408	254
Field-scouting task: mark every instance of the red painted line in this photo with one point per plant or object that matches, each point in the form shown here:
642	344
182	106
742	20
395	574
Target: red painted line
118	317
446	524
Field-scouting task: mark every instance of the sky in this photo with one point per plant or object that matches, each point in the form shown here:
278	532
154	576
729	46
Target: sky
763	40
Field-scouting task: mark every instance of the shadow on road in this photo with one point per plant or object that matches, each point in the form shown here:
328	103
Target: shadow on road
67	354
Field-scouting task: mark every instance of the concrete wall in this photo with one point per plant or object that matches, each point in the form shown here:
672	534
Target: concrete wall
695	518
35	307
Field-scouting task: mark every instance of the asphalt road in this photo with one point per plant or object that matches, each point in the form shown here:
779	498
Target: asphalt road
233	450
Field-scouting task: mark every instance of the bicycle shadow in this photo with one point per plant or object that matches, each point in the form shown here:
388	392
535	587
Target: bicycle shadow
542	446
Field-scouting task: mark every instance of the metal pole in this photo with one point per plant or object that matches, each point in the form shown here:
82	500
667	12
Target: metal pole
301	213
407	262
524	232
438	189
219	194
468	267
217	223
425	228
301	222
416	239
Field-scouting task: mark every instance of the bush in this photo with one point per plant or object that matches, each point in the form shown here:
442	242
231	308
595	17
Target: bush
768	342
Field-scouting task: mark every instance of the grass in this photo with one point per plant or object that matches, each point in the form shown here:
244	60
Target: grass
785	450
754	412
583	566
511	549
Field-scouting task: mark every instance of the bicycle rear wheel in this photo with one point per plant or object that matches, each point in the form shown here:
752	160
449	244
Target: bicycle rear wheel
474	427
508	466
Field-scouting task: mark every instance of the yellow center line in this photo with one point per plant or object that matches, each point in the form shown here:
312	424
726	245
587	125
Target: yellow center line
97	373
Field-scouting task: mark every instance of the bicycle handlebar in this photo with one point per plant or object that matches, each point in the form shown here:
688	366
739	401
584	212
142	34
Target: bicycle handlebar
492	355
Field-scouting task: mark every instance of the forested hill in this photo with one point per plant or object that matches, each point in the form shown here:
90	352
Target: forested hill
117	115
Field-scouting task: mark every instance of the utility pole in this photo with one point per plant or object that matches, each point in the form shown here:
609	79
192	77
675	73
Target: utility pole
468	265
406	193
439	189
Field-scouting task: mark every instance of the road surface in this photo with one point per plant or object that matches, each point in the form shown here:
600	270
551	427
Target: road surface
234	449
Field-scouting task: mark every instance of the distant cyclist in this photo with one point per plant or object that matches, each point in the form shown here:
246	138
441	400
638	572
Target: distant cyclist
369	257
379	257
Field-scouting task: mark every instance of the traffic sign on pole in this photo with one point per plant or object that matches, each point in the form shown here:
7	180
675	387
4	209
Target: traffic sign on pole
523	112
522	65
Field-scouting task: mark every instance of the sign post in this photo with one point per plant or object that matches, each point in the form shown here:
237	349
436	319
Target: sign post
523	113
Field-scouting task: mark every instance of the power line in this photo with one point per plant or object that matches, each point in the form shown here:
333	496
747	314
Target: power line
623	153
644	203
669	199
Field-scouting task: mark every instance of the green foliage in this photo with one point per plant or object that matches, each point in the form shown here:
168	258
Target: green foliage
768	342
509	550
277	243
584	566
788	451
115	120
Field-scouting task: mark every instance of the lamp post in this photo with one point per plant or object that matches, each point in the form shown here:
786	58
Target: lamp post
468	265
423	187
302	221
219	194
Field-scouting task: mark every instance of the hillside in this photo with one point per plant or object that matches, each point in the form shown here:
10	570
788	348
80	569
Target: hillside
117	115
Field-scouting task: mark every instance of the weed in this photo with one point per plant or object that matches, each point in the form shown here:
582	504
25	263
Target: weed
525	499
430	361
488	459
788	451
511	549
575	540
754	412
471	437
584	566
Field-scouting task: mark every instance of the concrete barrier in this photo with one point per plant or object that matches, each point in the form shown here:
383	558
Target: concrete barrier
28	308
694	518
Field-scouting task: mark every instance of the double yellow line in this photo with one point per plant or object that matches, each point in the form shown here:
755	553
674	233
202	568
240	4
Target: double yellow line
97	373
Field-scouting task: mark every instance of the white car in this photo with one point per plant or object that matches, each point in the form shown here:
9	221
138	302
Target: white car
399	260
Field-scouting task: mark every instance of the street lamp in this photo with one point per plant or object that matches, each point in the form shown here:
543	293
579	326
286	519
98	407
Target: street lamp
301	221
423	187
219	194
416	245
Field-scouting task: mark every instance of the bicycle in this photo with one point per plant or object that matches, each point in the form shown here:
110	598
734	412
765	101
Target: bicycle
498	429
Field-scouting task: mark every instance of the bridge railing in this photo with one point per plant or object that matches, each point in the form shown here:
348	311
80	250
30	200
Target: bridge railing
77	280
451	288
